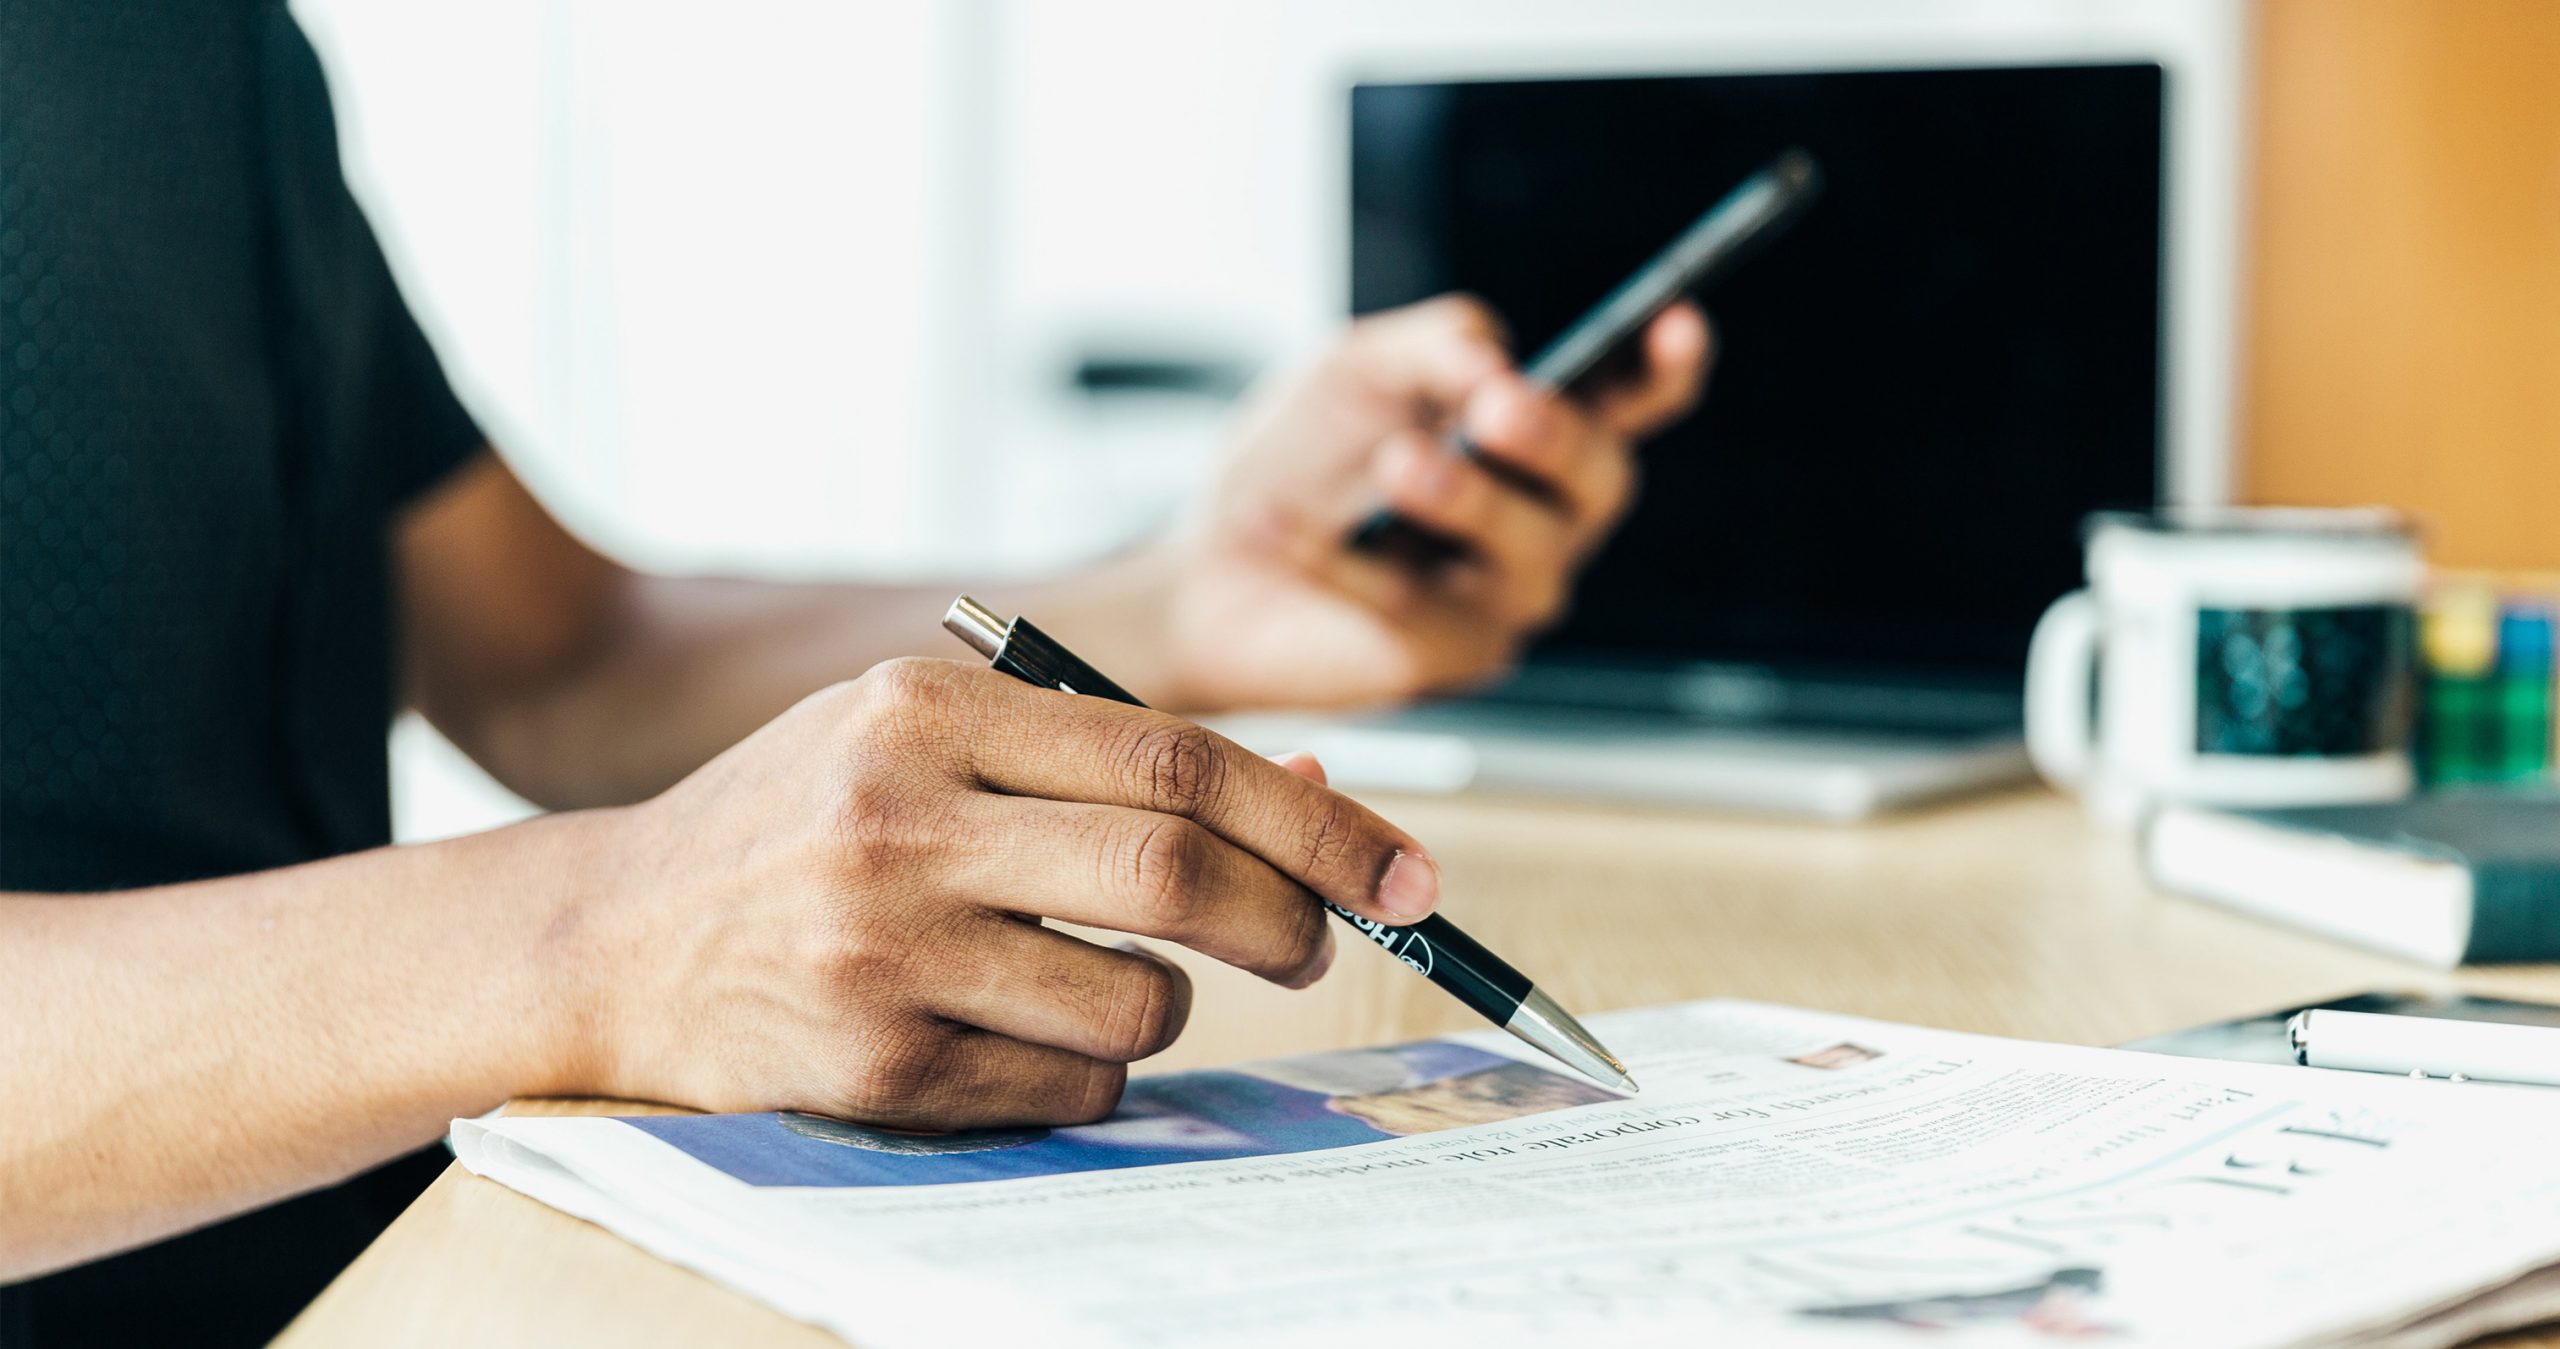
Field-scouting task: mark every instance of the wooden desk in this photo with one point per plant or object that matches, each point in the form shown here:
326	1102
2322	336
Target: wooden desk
2013	916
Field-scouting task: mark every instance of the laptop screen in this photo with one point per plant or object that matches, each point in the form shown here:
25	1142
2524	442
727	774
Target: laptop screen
1918	391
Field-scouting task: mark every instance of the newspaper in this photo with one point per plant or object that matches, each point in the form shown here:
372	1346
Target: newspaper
1789	1178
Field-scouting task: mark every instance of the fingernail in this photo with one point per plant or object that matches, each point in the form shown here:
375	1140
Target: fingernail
1410	887
1303	764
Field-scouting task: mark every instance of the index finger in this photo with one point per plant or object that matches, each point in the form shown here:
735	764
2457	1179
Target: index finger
1067	747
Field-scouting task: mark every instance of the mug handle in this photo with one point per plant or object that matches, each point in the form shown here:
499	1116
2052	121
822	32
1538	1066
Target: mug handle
2060	657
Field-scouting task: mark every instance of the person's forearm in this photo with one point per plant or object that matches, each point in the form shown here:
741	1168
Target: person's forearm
175	1055
686	667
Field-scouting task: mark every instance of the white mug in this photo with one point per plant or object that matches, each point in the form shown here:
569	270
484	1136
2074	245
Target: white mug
2240	657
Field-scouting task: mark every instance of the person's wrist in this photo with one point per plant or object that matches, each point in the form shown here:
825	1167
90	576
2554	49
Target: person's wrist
587	917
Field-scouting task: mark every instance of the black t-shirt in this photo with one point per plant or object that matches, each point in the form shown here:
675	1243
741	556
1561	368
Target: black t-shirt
212	404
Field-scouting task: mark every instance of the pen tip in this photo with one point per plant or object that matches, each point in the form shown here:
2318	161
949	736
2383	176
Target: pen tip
1629	1084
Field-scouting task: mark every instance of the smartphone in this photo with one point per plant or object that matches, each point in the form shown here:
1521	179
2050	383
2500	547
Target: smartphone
1754	212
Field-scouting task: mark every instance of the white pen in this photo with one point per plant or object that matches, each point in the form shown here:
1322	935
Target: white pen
2426	1046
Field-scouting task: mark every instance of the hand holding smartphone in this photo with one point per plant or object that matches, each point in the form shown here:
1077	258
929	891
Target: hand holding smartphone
1755	211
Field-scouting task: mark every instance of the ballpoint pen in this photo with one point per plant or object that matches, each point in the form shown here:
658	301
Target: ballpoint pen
1434	947
2426	1046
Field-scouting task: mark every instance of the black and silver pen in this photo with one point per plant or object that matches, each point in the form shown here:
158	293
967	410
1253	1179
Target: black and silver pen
1433	947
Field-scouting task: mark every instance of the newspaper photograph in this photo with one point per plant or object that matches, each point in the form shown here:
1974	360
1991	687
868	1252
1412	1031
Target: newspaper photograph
1255	1110
1789	1177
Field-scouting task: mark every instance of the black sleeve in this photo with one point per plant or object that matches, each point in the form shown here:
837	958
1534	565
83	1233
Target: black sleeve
383	423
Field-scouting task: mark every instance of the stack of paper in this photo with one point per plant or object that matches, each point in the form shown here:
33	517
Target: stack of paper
1789	1178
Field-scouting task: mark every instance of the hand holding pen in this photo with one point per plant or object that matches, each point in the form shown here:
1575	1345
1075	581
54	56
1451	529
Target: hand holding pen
841	914
1431	946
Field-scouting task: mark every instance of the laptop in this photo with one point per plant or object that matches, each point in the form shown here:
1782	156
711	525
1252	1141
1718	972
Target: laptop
1820	604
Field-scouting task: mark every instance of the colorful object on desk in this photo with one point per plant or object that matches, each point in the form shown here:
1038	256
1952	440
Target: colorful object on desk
2459	636
2489	691
2523	700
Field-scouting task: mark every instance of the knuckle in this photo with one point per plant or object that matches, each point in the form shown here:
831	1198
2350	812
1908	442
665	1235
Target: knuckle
1302	944
854	965
883	822
868	818
1138	1019
901	690
1165	862
1179	764
1092	1094
1332	835
895	1069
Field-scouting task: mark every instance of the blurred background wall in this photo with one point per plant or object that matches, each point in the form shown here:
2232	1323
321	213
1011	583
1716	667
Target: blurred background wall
2405	321
668	257
791	288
